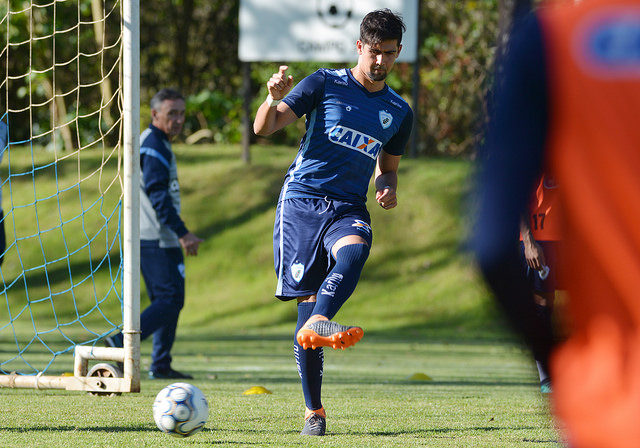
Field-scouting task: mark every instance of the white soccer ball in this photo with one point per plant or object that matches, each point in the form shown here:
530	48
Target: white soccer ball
180	410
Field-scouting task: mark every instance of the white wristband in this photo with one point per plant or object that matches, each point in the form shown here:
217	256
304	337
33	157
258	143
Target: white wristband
271	102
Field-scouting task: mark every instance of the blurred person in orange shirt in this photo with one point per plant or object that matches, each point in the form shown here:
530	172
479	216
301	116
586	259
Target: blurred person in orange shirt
540	231
567	104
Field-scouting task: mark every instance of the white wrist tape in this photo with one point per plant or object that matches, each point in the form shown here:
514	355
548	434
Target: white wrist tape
271	102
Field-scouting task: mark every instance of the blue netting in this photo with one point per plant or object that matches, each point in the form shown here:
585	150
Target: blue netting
62	266
61	180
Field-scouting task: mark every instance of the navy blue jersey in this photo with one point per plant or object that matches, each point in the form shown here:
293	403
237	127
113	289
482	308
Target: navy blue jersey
346	128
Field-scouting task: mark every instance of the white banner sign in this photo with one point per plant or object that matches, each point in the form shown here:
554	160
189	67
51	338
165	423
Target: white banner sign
315	30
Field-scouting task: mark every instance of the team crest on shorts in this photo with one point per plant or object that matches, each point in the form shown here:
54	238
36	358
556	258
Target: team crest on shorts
362	225
297	271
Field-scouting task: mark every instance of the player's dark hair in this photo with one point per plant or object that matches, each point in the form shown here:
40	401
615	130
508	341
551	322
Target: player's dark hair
381	25
165	94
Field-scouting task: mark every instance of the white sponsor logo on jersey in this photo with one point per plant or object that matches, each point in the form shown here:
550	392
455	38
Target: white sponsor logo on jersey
352	139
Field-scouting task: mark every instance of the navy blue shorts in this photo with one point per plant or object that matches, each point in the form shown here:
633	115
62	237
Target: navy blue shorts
305	230
537	283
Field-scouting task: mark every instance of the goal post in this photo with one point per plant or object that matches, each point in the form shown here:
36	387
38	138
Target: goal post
131	86
70	272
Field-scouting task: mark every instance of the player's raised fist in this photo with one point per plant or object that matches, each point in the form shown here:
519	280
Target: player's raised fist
280	84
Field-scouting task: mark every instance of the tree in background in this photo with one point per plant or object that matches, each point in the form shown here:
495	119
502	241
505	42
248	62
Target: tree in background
59	61
193	45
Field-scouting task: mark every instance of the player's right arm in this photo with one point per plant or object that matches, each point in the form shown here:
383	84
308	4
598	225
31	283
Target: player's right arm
272	118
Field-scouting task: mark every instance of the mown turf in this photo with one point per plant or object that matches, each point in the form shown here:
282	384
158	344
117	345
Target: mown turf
479	395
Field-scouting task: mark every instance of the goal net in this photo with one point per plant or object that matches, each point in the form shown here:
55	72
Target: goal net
65	175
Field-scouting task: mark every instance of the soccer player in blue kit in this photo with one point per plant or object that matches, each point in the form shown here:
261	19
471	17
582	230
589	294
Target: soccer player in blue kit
355	125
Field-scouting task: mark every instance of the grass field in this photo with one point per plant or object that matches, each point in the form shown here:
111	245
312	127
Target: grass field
481	395
419	301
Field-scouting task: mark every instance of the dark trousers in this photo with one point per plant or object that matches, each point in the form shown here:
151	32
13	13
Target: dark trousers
163	273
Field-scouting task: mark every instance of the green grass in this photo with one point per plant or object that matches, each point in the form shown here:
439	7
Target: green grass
481	395
419	301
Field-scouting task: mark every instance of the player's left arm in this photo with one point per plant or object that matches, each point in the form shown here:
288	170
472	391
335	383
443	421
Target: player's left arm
386	180
386	174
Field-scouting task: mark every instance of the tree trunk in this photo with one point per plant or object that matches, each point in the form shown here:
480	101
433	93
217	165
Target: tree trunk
105	85
182	43
58	115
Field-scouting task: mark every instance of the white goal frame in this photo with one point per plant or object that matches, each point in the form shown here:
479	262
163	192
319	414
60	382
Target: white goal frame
129	355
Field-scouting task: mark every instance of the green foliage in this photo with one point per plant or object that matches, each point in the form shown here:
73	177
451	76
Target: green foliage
455	58
212	110
60	61
193	45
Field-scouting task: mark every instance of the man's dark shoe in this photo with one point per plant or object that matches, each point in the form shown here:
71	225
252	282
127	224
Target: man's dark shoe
112	341
315	425
168	374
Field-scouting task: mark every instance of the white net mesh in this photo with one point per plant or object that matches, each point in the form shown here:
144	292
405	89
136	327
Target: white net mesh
60	90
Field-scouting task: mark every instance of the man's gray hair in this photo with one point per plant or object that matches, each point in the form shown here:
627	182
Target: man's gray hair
165	94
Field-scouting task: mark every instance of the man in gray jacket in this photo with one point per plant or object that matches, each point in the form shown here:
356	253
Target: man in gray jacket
163	234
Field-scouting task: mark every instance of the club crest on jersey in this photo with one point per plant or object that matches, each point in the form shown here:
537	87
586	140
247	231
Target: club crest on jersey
385	119
356	140
297	271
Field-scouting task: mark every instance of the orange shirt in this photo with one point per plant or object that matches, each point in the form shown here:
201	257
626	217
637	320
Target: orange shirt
543	211
593	66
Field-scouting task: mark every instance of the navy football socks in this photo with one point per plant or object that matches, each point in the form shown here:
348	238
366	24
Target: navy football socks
310	362
342	280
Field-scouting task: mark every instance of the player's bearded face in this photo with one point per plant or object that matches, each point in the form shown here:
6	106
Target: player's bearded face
378	73
379	59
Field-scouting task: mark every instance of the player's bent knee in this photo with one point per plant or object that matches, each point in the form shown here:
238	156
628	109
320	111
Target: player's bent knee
353	254
307	299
